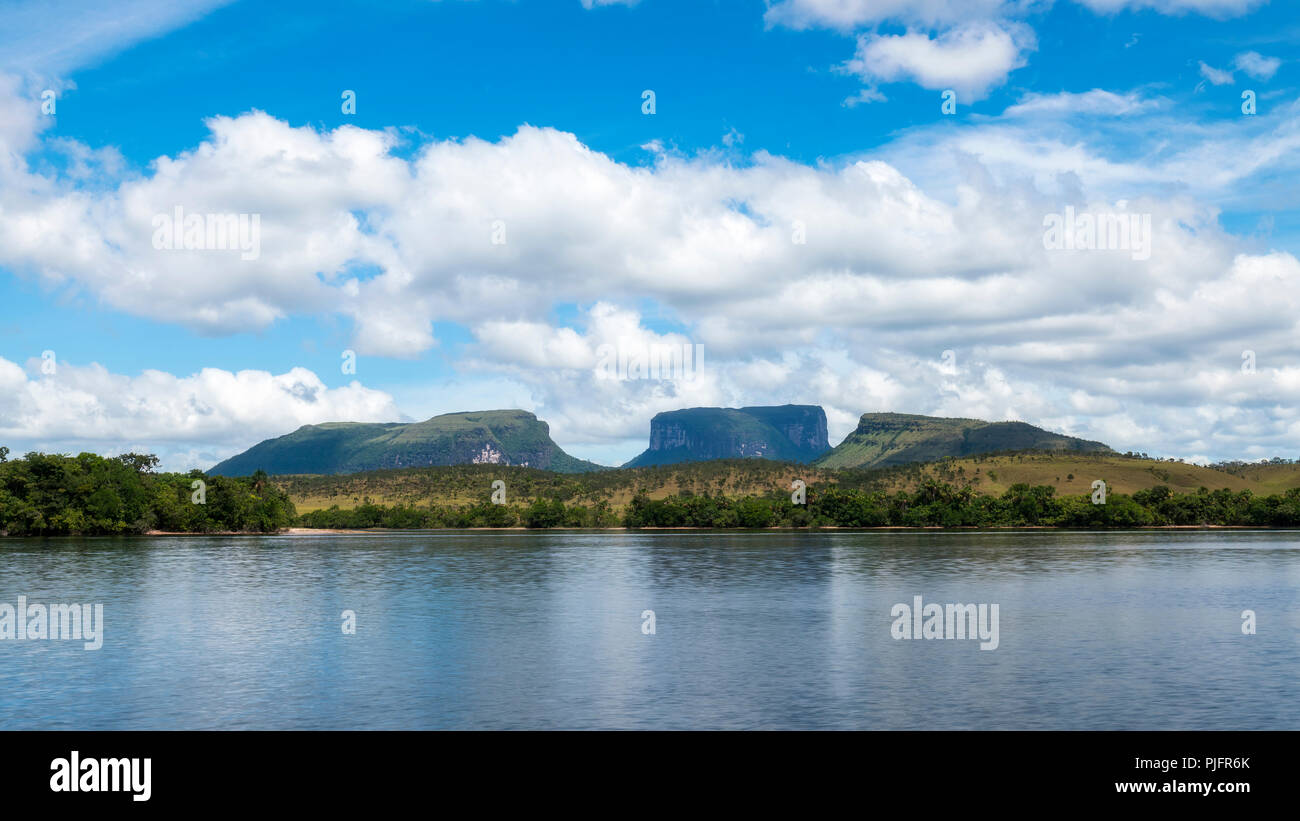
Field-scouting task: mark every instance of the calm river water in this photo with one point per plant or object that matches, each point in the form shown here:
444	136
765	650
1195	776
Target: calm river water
1132	630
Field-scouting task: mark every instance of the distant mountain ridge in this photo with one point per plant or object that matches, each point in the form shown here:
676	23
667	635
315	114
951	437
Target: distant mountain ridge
883	439
790	433
505	437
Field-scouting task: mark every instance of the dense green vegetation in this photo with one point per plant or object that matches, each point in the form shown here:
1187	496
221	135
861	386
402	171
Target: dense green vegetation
45	494
51	494
933	504
938	504
540	514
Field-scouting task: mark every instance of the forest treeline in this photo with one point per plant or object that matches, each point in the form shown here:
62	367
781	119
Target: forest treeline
49	494
933	504
42	494
541	513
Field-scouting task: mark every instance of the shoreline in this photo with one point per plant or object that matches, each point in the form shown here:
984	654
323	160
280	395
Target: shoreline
311	531
317	531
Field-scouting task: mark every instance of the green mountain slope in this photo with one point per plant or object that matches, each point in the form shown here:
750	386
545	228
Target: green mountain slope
789	433
506	437
883	439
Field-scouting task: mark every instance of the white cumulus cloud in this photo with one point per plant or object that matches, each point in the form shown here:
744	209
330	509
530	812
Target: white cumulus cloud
189	421
970	59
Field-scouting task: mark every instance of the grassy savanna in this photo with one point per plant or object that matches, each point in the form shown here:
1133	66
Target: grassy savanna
469	484
89	494
933	504
1267	478
1074	473
1069	474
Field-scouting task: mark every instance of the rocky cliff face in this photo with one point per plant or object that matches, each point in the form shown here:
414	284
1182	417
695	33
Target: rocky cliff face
793	433
666	435
803	425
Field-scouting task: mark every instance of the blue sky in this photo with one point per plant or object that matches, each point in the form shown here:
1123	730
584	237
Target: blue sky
924	229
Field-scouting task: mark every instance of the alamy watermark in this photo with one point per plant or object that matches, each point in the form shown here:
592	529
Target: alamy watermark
56	622
658	360
179	231
1102	231
952	621
77	774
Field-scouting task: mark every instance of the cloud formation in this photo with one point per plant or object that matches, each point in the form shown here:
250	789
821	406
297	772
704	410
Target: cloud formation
840	283
52	37
971	46
970	59
1257	65
1211	8
190	421
848	15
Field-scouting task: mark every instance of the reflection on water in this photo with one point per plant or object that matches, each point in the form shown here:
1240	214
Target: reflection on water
1137	630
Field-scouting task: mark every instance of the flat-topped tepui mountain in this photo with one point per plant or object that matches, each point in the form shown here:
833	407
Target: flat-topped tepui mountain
884	439
505	437
791	433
